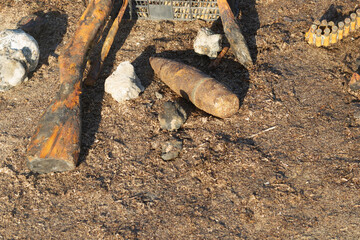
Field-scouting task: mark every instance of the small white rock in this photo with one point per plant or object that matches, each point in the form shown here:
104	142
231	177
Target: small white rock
207	43
20	46
12	73
123	84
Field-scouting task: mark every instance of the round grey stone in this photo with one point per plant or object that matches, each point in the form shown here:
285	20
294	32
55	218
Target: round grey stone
172	117
18	45
171	149
12	73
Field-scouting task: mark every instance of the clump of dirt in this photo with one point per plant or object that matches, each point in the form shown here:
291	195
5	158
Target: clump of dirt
285	166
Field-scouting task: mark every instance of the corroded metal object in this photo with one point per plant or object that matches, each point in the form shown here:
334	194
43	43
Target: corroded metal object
323	34
98	62
354	83
202	90
55	146
234	35
215	63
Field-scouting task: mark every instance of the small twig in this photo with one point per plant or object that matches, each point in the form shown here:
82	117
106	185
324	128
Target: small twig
263	131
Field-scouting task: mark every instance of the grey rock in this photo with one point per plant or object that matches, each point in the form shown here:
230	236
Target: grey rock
12	73
158	95
207	43
123	84
20	46
172	117
171	149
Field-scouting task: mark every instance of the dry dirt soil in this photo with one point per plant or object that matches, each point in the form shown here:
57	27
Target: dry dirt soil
286	166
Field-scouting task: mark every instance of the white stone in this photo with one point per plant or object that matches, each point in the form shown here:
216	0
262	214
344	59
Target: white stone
123	84
18	45
12	73
207	43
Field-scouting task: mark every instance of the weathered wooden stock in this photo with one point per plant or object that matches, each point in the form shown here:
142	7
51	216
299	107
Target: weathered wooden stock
55	146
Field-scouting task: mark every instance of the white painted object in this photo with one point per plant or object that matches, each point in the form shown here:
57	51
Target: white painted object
207	43
18	45
12	73
123	84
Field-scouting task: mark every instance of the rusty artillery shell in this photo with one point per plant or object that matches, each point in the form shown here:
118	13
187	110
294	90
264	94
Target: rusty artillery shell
318	40
357	18
326	37
202	90
333	35
347	27
352	22
340	30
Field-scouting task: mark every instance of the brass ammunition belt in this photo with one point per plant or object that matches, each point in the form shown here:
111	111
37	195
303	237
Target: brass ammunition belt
326	33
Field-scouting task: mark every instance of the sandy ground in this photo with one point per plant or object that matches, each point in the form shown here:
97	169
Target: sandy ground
286	166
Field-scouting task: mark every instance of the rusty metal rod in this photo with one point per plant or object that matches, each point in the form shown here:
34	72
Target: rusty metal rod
215	63
55	146
233	34
97	63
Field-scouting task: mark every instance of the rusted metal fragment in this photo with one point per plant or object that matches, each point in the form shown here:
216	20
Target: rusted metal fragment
215	63
202	90
354	83
234	35
55	146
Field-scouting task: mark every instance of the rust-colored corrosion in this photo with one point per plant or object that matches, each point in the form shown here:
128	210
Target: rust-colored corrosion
354	83
215	63
202	90
234	35
98	62
55	146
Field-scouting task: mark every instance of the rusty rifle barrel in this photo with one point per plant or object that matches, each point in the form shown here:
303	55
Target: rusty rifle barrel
55	146
233	34
97	63
202	90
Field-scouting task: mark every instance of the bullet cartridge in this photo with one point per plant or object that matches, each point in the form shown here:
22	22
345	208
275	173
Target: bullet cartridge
357	18
202	90
311	34
318	40
334	35
352	22
347	27
326	37
323	23
340	30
